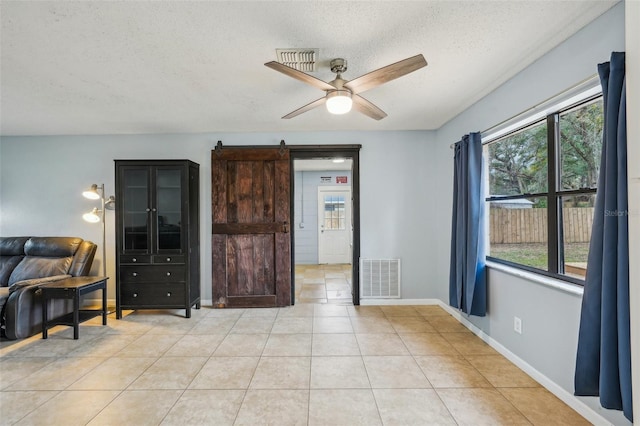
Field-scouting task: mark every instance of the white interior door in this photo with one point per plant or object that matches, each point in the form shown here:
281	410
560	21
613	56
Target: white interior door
334	224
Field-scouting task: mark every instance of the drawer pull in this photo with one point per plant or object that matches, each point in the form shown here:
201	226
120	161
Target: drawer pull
135	274
134	260
168	259
135	294
168	294
168	274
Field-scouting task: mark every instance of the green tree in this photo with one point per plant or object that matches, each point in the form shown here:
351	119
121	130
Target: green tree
518	163
581	146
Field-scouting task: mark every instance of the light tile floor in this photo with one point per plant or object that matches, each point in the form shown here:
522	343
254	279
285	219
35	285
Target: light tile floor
323	284
310	364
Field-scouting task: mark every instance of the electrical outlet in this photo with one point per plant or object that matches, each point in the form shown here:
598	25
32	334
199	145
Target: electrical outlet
517	325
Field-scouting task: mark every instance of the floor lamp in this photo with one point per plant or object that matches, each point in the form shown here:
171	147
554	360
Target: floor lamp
96	192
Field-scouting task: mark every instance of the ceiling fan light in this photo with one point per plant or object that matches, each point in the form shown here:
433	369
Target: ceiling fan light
339	102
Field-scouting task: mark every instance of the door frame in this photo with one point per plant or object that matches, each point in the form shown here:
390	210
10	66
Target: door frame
335	189
351	152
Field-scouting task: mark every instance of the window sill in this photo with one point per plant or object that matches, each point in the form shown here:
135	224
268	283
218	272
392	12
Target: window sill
537	278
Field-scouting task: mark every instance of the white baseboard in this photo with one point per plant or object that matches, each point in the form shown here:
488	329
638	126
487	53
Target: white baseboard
568	398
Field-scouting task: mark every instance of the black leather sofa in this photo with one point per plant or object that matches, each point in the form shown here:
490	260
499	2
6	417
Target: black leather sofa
27	262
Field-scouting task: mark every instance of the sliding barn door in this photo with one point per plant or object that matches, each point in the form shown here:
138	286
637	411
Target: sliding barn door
251	245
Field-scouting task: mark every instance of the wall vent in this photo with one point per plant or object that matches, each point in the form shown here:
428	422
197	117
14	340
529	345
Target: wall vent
379	278
300	59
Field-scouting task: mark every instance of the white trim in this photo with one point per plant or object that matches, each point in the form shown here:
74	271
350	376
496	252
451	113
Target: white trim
565	396
581	91
538	278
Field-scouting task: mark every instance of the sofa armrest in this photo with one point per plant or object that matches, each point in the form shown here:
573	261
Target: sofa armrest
35	281
23	308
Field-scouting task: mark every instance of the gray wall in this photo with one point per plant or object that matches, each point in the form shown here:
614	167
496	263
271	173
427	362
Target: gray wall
41	180
550	316
632	29
306	189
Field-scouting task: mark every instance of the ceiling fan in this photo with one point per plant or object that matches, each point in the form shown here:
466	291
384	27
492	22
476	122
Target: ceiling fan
342	94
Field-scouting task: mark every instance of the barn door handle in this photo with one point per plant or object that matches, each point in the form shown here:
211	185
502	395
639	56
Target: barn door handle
285	227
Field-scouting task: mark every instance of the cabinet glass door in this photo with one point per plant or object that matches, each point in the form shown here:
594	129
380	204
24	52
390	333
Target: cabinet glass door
136	209
169	208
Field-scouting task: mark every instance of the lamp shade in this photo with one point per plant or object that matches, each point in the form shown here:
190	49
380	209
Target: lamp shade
92	216
339	102
92	193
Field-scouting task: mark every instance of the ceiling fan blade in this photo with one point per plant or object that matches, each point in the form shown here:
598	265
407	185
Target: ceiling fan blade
385	74
306	108
299	75
367	108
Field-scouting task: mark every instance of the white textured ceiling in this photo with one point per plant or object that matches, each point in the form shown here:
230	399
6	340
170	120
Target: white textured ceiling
189	67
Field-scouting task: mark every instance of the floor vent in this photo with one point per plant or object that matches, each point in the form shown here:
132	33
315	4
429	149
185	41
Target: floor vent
300	59
379	278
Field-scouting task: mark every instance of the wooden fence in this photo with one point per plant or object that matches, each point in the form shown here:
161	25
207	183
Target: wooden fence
512	226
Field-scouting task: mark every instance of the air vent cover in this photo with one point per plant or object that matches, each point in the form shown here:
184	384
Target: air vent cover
379	278
300	59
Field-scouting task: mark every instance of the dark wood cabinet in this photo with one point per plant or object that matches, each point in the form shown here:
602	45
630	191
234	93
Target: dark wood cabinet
157	235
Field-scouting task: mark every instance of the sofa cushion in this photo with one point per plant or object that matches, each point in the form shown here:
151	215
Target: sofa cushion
11	253
7	265
12	246
38	267
52	246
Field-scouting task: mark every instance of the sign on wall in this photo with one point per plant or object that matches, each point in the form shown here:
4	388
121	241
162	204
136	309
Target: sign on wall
341	179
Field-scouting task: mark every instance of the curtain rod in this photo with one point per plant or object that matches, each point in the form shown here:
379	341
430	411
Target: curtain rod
584	84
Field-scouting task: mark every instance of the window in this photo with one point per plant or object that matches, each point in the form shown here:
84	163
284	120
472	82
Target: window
542	181
334	212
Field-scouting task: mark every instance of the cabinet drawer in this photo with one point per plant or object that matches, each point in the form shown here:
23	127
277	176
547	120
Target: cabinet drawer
135	258
152	273
169	258
166	294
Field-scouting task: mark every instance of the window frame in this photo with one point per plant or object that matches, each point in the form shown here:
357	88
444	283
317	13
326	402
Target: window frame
555	237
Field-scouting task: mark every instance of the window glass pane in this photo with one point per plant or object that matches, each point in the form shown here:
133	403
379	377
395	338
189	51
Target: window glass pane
518	231
581	146
518	162
169	213
134	205
577	219
334	212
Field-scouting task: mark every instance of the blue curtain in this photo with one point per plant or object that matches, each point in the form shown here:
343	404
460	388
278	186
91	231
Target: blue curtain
603	362
467	280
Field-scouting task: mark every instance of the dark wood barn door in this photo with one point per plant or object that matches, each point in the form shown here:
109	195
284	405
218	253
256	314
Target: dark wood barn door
251	245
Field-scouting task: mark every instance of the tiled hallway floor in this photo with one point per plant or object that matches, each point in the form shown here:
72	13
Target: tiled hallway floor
323	284
312	364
